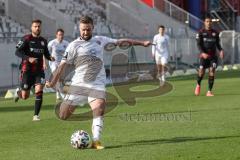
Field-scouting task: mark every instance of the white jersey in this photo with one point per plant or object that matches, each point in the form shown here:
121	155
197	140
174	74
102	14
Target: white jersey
56	50
87	58
161	47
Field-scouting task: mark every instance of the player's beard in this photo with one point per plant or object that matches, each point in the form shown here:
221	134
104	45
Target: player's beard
37	33
86	38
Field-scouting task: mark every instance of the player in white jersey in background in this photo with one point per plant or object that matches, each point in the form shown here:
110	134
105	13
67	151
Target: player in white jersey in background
160	52
57	48
88	81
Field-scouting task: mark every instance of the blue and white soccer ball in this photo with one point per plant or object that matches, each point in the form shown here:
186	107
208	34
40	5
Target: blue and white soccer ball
80	139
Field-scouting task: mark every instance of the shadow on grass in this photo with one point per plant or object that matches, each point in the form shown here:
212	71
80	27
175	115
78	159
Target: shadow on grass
219	75
171	140
24	108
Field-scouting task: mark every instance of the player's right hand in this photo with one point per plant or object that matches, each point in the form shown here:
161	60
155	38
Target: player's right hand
32	60
52	58
204	55
146	43
48	84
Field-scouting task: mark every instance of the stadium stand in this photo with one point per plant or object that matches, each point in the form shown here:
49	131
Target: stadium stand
10	30
93	8
136	20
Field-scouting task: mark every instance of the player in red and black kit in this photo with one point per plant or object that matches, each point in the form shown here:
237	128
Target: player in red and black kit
32	49
208	42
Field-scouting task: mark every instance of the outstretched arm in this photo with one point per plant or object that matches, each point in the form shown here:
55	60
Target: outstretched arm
135	42
56	75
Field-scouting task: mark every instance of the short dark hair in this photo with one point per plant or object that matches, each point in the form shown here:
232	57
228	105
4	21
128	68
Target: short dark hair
86	20
161	26
207	17
36	21
59	30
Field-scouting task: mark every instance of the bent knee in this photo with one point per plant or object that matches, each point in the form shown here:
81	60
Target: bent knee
63	116
100	110
211	73
24	97
201	71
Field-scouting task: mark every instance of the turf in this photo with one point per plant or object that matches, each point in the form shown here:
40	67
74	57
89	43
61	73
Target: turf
175	125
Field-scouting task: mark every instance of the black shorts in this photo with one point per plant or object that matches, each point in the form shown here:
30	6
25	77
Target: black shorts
207	63
28	79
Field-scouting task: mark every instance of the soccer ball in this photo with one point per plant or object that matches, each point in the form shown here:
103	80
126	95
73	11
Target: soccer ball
80	139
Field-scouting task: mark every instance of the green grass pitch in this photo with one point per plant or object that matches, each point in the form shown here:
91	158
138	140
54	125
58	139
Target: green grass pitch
176	125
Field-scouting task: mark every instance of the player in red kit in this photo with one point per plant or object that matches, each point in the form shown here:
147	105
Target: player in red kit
208	42
31	49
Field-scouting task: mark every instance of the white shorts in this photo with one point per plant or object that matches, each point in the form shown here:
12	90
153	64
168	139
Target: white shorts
81	95
75	100
161	59
53	66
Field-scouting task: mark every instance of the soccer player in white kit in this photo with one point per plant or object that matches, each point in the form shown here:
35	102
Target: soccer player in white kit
88	81
160	52
57	48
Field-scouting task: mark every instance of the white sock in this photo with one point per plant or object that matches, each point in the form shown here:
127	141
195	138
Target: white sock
97	127
62	94
163	77
160	78
58	96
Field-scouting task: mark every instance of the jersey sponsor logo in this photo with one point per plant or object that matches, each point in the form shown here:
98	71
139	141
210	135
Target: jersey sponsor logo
205	34
94	66
36	50
209	39
60	51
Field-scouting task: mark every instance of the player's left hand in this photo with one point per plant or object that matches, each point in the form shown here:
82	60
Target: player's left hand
146	43
221	54
52	58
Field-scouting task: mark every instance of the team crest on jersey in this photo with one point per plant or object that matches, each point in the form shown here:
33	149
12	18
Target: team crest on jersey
213	34
42	43
98	42
93	52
